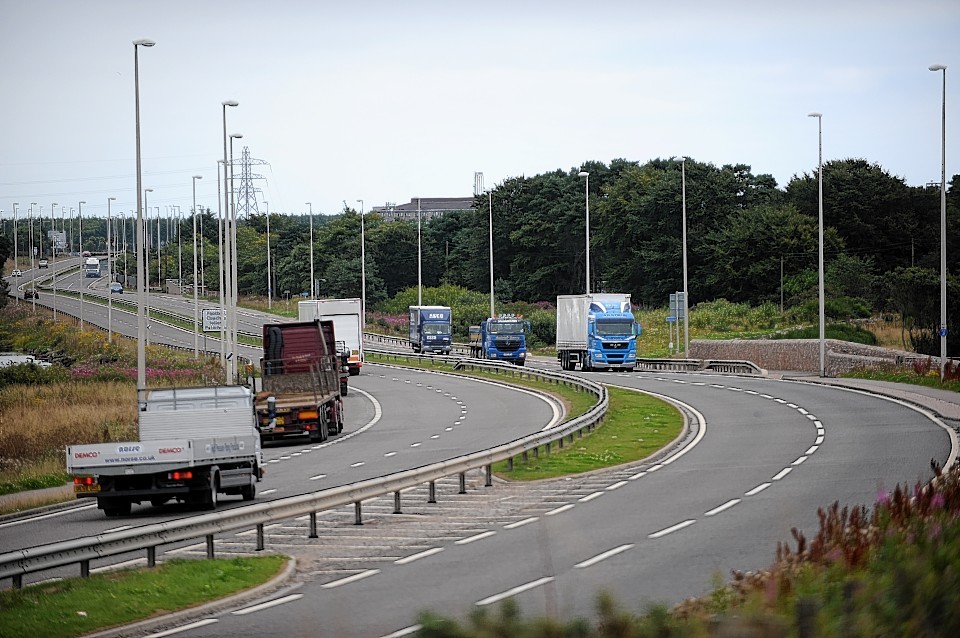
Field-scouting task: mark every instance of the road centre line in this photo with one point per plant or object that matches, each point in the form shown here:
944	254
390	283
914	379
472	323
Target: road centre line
819	440
418	556
779	475
350	579
721	508
800	460
267	605
812	449
513	592
318	477
672	528
177	630
475	538
757	489
605	555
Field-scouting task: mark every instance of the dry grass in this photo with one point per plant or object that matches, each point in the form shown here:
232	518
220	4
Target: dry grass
38	422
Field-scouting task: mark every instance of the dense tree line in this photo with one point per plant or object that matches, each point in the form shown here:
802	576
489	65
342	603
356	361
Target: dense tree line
748	240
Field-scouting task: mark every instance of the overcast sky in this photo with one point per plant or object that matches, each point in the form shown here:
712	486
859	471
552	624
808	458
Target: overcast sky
386	101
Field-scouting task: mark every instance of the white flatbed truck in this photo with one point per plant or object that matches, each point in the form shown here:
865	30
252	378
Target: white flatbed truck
195	443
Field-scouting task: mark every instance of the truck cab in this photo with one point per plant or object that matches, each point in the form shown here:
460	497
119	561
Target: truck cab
611	337
430	329
502	338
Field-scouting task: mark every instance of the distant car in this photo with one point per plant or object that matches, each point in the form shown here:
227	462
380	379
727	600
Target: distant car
31	293
115	287
16	273
43	263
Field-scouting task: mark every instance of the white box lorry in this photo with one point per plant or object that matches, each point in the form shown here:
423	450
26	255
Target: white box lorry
347	324
195	443
597	331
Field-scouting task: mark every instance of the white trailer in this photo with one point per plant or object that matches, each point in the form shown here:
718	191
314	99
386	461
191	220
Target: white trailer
195	443
596	331
347	324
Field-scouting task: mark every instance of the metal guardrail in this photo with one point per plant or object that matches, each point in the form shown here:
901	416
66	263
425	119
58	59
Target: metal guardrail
699	365
148	538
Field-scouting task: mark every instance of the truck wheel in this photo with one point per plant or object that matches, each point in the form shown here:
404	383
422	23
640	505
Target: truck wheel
157	502
249	492
121	508
344	387
213	496
354	372
520	362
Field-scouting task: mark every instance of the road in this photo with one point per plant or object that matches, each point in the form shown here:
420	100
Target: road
767	454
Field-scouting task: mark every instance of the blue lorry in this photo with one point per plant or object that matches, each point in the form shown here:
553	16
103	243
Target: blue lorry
502	338
596	331
430	329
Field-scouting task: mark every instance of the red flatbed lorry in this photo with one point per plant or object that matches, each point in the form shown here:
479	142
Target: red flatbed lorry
304	379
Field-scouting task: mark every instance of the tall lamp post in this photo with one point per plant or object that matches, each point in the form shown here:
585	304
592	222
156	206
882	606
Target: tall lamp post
313	294
363	274
146	266
196	303
419	260
109	274
490	207
819	117
80	250
943	223
686	306
16	261
141	318
234	271
269	279
53	256
586	191
224	278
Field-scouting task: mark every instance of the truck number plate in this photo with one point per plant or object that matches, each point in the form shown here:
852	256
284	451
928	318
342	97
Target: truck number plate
86	488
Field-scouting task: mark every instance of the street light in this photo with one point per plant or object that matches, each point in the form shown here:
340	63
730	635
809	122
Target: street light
363	275
269	280
146	265
16	261
109	275
312	285
234	288
490	202
686	305
419	260
53	256
943	224
83	271
224	277
141	319
819	117
586	198
196	303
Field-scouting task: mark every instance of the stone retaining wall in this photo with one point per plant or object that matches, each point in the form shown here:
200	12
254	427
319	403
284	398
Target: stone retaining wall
802	355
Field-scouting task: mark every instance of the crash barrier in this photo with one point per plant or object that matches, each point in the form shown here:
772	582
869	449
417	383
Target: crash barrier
403	342
149	538
699	365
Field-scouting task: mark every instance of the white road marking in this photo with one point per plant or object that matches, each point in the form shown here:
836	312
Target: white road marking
673	528
757	489
616	485
358	464
800	460
812	449
474	538
318	477
116	529
418	556
779	475
268	604
605	555
562	508
265	492
526	521
389	454
590	497
721	508
350	579
513	592
636	476
418	444
177	630
406	631
31	519
819	440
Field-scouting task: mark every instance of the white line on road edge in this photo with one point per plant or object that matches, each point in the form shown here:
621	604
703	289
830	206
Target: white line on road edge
672	529
812	449
562	508
318	477
758	489
779	475
474	538
406	631
526	521
589	497
725	506
800	460
268	604
616	485
177	630
605	555
513	592
418	556
350	579
32	519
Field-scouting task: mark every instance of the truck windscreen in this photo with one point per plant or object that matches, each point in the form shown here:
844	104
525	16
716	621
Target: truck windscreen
614	328
436	328
505	328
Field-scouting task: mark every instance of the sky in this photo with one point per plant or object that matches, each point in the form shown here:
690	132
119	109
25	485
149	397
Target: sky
386	101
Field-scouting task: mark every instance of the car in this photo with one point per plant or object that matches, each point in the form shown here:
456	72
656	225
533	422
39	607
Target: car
116	287
31	293
16	273
43	263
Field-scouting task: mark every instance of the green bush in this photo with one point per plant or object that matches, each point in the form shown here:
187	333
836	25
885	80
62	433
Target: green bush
32	374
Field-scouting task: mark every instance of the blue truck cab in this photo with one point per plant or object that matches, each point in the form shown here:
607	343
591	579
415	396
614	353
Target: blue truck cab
502	338
598	331
430	329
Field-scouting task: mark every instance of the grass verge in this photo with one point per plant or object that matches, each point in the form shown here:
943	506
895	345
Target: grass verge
76	606
636	426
